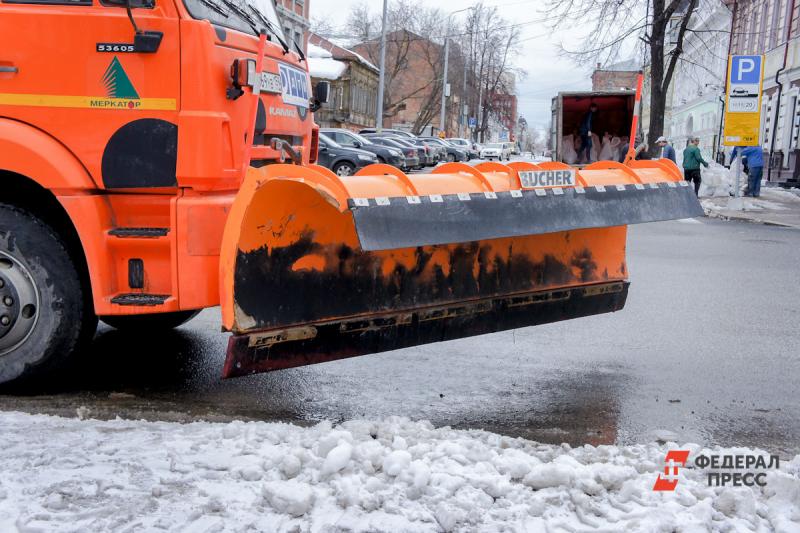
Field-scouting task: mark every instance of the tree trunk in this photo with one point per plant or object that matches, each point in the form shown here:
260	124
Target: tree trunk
658	97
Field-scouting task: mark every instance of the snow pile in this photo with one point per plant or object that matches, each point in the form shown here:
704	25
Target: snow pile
322	65
719	181
395	475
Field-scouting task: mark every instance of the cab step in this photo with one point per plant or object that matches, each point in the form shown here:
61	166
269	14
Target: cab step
139	233
137	298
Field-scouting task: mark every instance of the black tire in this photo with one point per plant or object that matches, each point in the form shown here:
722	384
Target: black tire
344	168
381	160
451	158
51	316
151	322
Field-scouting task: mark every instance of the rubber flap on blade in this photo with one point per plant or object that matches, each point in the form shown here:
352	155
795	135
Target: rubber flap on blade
402	222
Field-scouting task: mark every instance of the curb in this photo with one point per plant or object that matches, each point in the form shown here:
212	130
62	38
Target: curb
740	218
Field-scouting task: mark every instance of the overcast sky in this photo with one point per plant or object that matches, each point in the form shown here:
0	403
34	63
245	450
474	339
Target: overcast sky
548	73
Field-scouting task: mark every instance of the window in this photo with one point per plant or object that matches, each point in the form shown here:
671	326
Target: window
50	2
220	13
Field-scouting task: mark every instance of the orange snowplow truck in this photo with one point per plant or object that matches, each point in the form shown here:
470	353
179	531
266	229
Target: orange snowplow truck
157	157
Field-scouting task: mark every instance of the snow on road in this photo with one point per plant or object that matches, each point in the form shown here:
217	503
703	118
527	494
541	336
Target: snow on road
61	474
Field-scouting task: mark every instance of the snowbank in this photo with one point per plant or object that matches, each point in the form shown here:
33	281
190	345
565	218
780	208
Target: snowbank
322	65
395	475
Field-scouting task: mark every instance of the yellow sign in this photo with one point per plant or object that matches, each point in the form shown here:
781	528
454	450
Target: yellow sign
95	102
743	101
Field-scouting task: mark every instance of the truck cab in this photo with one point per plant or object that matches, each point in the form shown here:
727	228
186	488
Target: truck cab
122	136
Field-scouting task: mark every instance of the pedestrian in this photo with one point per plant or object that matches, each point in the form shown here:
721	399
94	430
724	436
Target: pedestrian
667	151
754	157
585	130
692	159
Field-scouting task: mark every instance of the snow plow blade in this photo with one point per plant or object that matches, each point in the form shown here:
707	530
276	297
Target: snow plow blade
316	267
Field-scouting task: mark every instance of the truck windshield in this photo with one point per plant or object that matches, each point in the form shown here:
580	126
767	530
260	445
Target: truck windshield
237	14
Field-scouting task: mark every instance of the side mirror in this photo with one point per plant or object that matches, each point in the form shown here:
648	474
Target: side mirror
147	42
144	41
323	147
357	144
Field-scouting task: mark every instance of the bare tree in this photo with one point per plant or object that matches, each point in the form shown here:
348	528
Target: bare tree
413	43
322	26
490	43
613	24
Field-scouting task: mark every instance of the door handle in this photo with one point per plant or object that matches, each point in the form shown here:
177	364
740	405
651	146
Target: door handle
6	68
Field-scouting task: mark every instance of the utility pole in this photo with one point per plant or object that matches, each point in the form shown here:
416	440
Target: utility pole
381	77
464	108
443	111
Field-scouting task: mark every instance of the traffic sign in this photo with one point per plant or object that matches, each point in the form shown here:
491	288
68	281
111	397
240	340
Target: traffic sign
473	122
743	103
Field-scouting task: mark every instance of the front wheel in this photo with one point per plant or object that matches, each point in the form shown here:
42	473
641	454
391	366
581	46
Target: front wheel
150	322
45	311
451	158
345	168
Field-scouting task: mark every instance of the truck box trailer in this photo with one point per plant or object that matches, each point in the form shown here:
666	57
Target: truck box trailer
615	111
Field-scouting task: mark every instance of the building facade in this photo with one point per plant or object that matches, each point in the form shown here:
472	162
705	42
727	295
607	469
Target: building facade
504	107
772	28
353	95
294	16
413	83
619	76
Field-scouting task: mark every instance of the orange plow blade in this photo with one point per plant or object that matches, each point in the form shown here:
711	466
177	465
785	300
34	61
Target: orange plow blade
317	267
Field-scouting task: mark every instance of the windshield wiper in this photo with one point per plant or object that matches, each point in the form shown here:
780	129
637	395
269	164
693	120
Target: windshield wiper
265	21
299	51
241	13
212	5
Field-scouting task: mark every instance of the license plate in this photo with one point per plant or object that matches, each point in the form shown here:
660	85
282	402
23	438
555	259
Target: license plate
271	83
294	86
535	179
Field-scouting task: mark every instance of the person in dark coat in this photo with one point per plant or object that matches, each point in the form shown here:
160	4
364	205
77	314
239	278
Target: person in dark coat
753	157
585	131
667	151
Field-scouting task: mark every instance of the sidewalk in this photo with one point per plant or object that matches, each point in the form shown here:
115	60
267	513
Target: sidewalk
776	206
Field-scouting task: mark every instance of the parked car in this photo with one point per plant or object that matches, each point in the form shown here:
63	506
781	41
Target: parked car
432	155
453	153
342	160
385	154
388	131
498	151
465	144
513	148
412	159
408	142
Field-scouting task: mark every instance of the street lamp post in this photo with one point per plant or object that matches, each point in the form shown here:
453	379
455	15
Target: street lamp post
382	75
443	111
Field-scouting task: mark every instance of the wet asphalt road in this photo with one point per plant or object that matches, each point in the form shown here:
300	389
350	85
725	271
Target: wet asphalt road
707	348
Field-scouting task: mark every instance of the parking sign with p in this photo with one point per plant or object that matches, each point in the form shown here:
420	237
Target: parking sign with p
743	104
